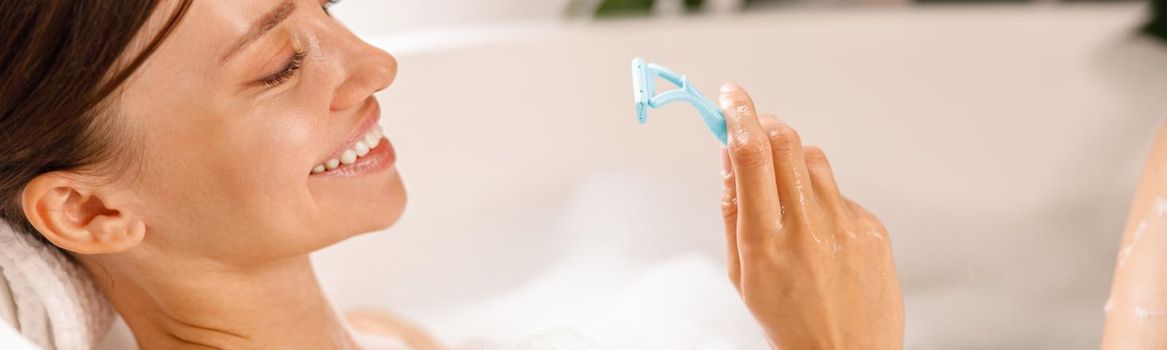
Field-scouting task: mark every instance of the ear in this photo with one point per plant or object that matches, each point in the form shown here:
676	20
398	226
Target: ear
78	216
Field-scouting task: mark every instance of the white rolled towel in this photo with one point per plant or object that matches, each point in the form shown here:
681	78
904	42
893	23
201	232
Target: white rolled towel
48	298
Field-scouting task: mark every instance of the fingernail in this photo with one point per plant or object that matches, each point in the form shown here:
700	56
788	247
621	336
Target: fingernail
726	165
730	87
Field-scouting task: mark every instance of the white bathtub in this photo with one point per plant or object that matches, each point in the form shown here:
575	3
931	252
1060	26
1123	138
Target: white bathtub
1000	145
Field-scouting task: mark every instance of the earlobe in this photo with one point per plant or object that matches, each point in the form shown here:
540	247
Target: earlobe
77	216
114	233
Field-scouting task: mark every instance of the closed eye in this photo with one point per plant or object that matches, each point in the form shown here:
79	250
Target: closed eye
294	64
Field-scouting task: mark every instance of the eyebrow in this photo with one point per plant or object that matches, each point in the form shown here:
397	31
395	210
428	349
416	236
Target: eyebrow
265	24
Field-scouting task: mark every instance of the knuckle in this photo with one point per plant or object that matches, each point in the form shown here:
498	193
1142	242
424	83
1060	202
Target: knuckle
856	210
815	155
878	242
880	232
847	230
750	153
784	137
729	207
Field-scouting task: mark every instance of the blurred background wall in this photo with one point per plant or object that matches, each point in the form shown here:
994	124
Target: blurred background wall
425	15
416	15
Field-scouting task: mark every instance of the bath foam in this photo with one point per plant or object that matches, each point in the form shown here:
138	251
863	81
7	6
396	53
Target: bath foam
644	91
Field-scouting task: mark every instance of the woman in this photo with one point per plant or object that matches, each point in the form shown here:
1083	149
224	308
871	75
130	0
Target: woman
191	154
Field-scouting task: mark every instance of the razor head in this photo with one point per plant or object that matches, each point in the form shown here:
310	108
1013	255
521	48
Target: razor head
644	78
643	88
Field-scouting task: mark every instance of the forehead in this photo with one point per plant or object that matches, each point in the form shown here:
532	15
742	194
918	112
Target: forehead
206	25
206	31
212	24
184	67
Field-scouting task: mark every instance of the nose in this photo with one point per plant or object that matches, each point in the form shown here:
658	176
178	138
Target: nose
368	70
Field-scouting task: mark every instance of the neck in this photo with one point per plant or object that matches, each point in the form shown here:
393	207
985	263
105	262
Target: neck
198	305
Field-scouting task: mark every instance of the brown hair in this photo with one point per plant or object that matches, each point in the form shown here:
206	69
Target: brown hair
57	69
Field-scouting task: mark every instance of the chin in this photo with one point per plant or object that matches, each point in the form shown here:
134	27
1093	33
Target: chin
391	206
383	207
359	205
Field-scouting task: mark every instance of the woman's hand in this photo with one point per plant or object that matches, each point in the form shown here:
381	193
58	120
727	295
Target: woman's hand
814	268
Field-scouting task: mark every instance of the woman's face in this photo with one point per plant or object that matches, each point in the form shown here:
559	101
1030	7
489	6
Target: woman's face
232	114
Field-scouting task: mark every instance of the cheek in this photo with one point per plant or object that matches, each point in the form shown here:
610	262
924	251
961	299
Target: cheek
265	179
238	184
281	151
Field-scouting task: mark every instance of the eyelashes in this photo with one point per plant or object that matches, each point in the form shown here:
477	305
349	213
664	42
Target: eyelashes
326	4
294	64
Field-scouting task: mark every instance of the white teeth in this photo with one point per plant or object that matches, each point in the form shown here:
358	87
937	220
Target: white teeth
348	157
376	134
360	149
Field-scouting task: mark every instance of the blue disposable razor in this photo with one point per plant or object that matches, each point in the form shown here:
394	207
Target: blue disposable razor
644	86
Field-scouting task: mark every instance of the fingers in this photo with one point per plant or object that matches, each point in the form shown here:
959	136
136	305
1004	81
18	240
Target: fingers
793	178
822	180
729	213
753	168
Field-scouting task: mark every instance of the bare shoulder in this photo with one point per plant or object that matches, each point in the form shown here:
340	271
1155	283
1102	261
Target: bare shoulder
379	322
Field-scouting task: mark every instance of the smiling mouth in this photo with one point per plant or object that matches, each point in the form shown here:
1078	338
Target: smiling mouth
355	153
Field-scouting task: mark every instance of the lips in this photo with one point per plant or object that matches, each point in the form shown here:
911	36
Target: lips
362	144
358	150
381	157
